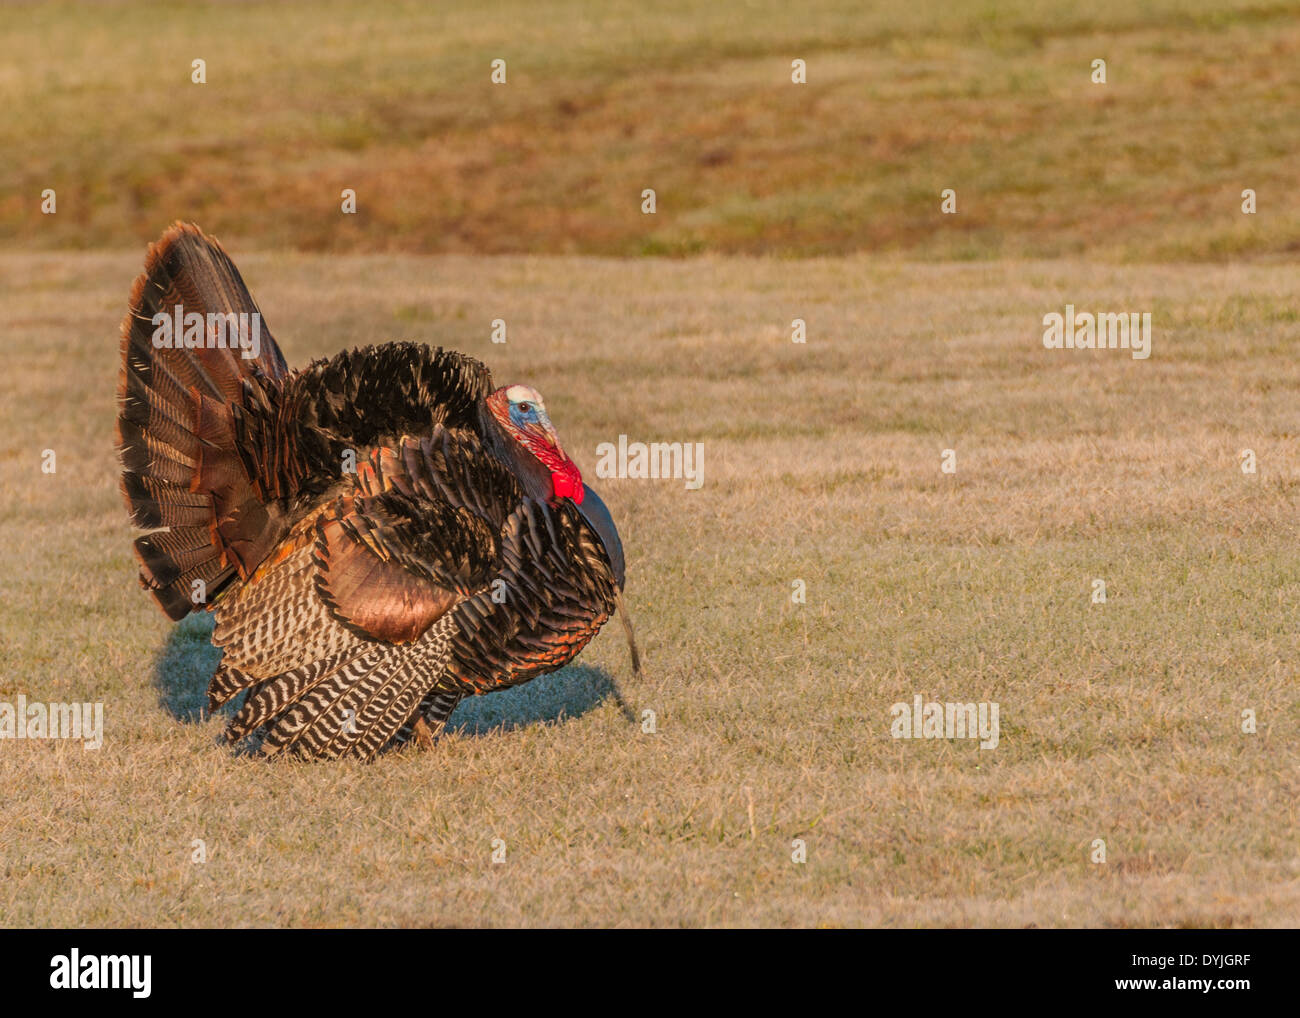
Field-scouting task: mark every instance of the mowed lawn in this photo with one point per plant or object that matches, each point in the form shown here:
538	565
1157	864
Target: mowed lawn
1119	721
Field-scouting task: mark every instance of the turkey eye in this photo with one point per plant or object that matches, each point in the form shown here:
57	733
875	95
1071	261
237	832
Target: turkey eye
524	408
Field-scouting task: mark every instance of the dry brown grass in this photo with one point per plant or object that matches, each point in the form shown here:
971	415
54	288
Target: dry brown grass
822	462
693	99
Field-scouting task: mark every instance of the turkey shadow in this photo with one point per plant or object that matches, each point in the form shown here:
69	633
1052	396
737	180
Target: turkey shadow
185	665
547	699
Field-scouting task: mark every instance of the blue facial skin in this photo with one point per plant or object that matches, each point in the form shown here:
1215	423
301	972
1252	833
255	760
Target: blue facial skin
526	412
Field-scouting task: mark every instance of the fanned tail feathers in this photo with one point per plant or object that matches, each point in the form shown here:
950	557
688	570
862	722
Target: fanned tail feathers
176	435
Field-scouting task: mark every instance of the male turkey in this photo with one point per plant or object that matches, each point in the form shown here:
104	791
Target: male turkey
379	534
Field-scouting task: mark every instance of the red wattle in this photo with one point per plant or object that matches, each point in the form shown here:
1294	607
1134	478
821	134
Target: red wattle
565	486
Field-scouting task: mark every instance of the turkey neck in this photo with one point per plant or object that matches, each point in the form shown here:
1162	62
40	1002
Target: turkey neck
535	475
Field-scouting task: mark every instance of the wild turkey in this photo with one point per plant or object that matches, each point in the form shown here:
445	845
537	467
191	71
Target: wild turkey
379	534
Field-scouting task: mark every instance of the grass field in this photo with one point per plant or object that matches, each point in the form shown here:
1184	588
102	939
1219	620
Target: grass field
1120	721
691	99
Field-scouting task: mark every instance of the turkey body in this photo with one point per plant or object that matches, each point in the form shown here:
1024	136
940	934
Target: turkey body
379	534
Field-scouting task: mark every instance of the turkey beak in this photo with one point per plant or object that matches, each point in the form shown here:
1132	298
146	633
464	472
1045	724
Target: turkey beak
545	430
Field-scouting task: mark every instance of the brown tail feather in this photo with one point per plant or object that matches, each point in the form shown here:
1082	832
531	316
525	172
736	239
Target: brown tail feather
181	469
